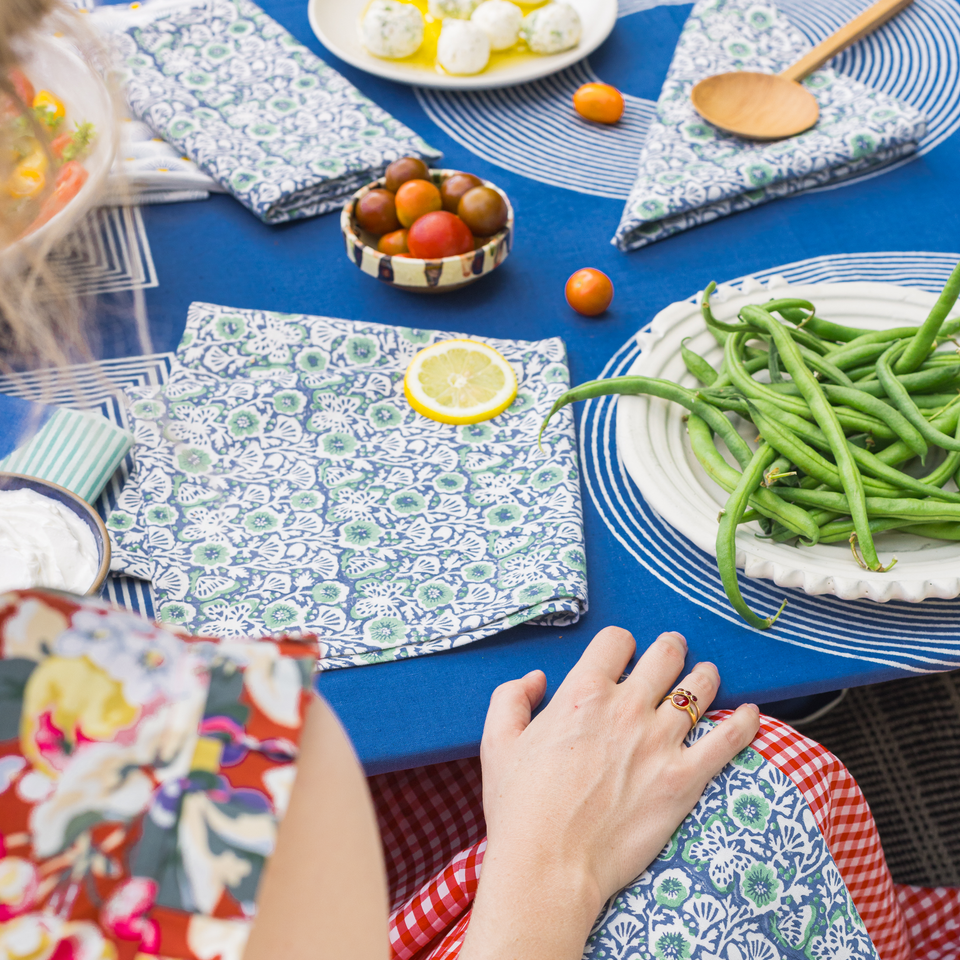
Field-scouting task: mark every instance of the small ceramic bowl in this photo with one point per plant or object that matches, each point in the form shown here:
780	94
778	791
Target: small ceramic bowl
17	481
424	276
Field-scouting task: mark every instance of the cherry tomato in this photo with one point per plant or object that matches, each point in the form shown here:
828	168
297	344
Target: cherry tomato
22	85
25	91
59	142
70	178
599	102
415	198
439	234
589	292
393	243
404	169
454	187
376	212
483	210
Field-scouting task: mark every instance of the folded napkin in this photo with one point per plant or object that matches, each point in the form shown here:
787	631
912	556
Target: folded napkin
282	481
255	109
692	173
148	170
79	451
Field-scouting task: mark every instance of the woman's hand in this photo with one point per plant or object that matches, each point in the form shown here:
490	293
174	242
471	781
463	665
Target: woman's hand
579	801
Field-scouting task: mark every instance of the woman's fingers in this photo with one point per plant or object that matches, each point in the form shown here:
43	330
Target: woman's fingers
711	753
657	670
701	682
608	653
511	706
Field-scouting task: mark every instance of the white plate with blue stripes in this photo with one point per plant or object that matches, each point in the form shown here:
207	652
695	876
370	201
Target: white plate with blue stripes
336	24
653	444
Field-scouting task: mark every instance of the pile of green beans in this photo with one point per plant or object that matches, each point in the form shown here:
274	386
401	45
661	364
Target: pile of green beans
845	419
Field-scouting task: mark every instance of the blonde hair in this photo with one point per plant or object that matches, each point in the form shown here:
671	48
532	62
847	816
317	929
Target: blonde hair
45	320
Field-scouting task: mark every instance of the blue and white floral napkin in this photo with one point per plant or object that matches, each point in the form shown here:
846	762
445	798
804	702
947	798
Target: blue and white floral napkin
254	108
691	172
283	482
747	876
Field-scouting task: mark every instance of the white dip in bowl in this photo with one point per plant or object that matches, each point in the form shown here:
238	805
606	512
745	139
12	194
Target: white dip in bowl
44	544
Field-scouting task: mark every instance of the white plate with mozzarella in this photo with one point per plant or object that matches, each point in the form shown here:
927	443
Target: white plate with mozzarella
337	25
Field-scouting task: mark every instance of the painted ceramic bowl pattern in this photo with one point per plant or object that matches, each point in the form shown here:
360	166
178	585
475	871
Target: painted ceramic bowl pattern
424	276
17	481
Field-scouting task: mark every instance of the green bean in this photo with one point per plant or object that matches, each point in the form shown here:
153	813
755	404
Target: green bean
696	364
837	530
785	442
826	419
824	367
866	461
637	386
922	380
822	328
773	365
764	501
898	452
925	511
922	342
780	469
874	407
937	531
849	419
899	394
854	352
727	536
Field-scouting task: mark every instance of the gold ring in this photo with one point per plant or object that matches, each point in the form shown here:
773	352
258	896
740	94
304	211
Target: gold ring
684	700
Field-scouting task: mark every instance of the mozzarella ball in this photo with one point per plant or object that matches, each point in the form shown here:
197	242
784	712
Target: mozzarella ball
392	29
500	21
551	29
463	47
456	9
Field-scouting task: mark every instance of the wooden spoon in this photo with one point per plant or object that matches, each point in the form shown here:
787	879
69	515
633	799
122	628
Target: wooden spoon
771	106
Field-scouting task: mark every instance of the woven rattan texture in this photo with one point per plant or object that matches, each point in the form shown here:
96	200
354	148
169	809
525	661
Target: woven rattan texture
901	740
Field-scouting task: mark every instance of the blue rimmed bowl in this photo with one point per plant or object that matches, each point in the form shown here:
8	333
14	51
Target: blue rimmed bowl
76	505
424	276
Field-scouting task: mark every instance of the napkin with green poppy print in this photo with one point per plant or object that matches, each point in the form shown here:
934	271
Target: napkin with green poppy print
283	482
692	172
224	83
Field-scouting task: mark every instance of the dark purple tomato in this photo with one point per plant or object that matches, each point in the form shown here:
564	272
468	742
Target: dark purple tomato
454	187
376	212
483	210
404	169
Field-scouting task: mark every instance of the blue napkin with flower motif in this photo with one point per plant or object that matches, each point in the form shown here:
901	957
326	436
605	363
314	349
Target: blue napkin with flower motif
283	482
747	876
252	107
691	172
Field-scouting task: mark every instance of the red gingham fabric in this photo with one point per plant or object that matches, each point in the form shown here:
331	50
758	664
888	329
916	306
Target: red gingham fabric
932	916
429	814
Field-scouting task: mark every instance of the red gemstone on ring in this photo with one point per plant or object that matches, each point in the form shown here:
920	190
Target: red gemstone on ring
680	700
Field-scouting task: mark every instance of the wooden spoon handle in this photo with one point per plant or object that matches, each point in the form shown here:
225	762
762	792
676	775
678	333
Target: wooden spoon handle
858	27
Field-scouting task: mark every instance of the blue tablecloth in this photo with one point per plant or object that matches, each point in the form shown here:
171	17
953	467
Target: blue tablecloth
431	708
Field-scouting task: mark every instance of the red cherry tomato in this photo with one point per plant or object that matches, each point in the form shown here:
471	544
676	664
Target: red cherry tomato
589	292
439	234
70	178
25	92
599	102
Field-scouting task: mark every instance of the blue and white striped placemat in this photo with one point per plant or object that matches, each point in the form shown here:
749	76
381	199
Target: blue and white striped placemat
919	638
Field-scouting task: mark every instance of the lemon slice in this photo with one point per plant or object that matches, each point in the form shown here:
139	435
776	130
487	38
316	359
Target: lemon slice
459	381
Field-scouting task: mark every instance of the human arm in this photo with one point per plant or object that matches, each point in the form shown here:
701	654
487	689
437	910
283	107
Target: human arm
580	800
324	893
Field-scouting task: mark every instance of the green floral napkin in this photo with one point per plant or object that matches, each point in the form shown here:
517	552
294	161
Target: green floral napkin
691	172
254	108
283	481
